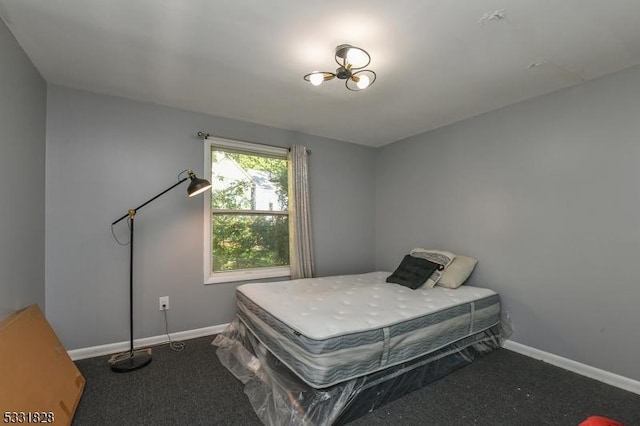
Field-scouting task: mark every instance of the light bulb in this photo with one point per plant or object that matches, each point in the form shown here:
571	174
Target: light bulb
316	79
357	58
363	82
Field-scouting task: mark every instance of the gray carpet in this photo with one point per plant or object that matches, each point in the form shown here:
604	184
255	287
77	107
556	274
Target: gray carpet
504	388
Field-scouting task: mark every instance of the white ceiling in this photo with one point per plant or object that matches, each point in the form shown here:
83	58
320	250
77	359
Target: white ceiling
437	61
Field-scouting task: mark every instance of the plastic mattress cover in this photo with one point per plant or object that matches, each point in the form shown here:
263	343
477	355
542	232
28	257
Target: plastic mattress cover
280	398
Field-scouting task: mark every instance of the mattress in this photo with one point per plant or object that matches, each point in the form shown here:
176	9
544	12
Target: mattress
332	329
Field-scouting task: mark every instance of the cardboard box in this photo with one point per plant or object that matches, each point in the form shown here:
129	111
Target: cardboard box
38	380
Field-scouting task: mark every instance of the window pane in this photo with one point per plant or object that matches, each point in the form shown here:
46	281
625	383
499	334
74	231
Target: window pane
249	241
248	182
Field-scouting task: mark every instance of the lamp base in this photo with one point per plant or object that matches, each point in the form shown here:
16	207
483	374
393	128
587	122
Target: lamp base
134	362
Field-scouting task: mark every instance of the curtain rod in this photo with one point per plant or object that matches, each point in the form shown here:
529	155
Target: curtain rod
204	135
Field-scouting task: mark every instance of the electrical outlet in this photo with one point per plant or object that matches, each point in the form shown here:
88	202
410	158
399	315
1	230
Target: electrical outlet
164	303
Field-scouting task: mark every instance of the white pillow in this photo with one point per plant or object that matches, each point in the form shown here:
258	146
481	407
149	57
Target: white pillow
457	272
441	257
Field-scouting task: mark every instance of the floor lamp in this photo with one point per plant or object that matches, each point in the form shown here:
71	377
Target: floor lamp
137	360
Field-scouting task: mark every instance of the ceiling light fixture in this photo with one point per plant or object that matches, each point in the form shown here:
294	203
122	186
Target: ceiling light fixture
351	61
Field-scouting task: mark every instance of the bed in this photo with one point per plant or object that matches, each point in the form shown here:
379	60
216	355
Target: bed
327	350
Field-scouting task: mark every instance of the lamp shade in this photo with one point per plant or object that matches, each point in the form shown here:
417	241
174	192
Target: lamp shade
197	185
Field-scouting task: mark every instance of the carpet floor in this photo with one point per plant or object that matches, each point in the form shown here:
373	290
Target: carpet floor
191	387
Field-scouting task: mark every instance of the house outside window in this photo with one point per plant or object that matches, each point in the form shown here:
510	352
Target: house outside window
246	211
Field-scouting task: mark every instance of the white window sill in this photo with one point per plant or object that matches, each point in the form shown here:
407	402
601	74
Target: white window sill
248	275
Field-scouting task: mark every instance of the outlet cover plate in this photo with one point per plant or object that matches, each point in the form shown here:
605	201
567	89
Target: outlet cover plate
163	303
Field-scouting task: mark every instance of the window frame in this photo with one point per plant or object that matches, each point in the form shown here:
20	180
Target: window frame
211	277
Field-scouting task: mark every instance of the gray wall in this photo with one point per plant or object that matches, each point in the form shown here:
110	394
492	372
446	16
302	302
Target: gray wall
22	188
546	193
107	154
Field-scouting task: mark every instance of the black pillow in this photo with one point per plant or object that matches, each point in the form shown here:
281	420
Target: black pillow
413	272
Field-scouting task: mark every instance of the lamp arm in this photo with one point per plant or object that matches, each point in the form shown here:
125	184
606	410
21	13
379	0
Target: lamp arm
132	212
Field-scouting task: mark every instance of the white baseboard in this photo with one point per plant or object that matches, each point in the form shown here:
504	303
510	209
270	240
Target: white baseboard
112	348
576	367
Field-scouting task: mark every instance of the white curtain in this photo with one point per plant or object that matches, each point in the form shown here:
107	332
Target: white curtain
300	241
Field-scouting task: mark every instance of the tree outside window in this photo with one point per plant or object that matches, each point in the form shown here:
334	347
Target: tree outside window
249	206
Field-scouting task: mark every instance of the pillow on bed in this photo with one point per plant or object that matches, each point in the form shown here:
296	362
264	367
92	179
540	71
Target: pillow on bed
457	272
413	272
440	257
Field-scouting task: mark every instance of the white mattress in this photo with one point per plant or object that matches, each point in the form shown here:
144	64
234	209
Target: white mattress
332	329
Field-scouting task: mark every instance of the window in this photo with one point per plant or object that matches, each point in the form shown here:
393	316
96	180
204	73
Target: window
246	211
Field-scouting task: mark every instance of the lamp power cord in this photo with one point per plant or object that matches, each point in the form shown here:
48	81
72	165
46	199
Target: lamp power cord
175	345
